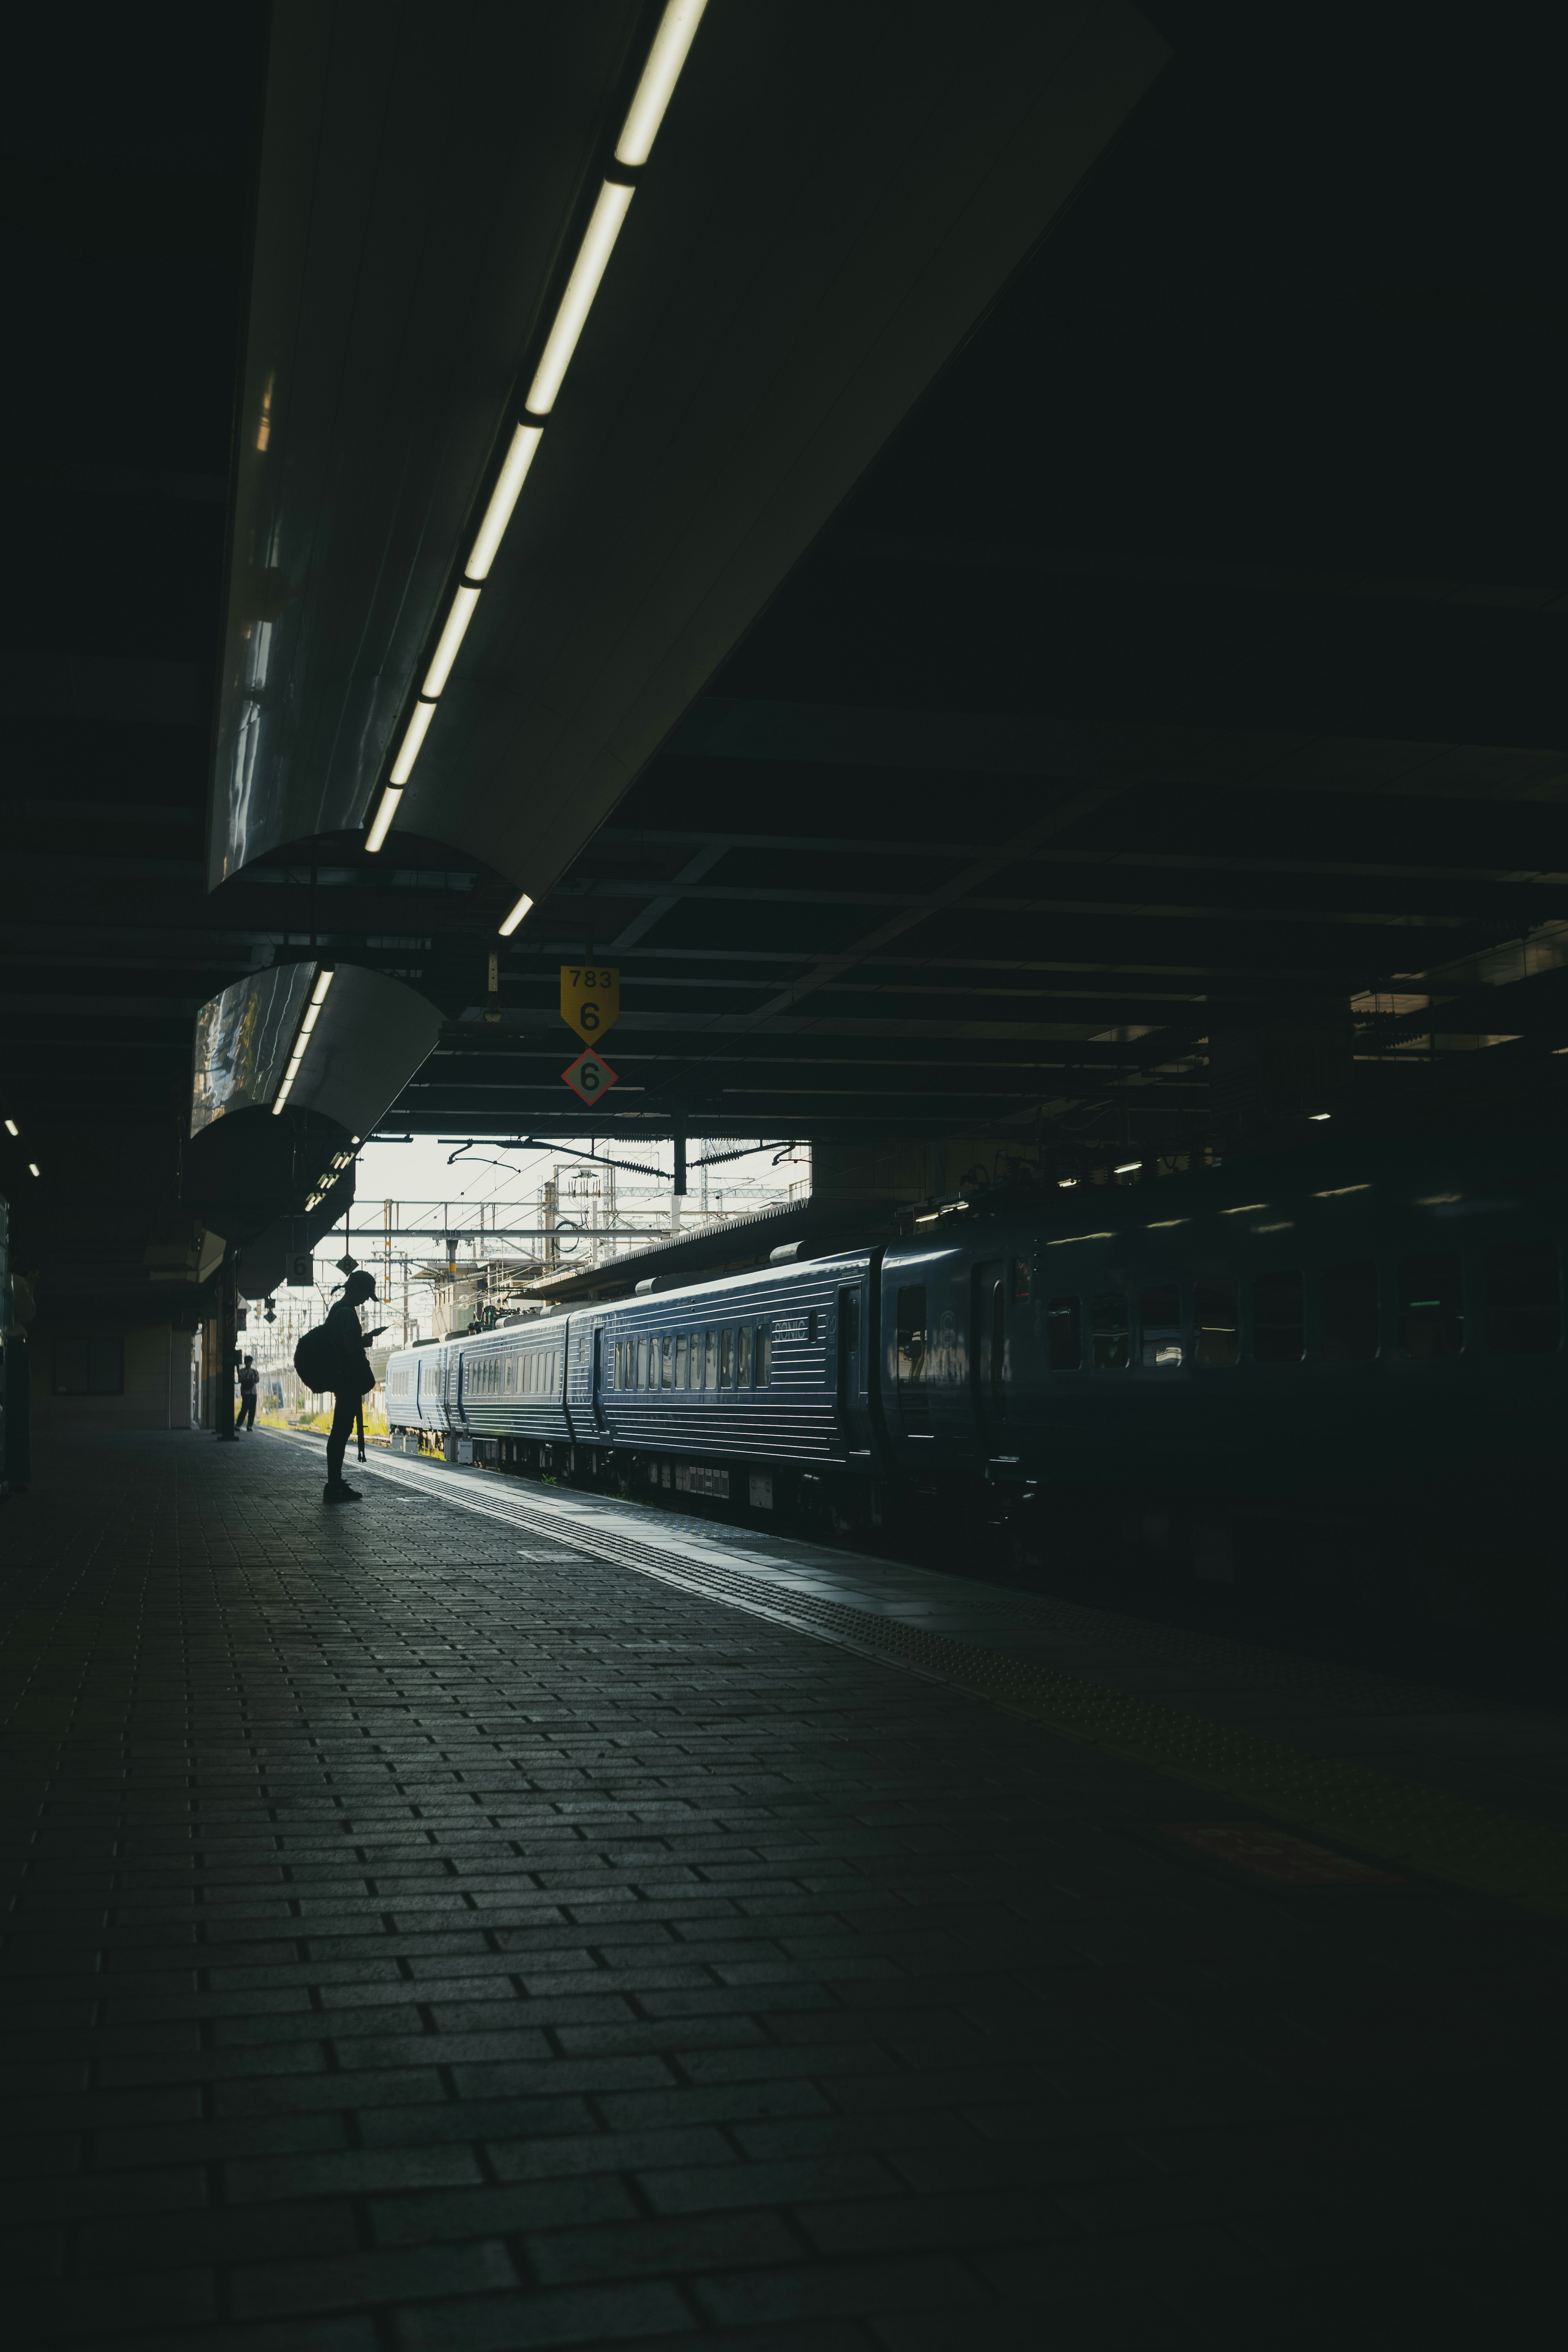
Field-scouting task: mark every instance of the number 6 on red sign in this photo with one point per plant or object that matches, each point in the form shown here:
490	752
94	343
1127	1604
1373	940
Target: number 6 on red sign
589	1078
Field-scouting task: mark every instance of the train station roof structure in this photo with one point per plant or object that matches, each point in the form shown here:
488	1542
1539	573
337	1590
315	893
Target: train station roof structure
1037	590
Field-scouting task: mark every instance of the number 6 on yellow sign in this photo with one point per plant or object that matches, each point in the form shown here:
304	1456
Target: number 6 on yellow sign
590	999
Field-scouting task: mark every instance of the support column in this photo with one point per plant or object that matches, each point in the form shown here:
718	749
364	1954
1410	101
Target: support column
223	1371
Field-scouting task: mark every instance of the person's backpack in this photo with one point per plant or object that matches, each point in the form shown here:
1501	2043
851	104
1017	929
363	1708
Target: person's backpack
324	1366
317	1361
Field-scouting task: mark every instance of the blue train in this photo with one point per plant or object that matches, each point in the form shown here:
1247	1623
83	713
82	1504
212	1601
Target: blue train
1335	1375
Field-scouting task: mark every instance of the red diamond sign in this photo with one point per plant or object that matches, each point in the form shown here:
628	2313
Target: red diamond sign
589	1077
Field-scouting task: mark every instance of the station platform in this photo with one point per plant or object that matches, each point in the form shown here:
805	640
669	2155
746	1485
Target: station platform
485	1916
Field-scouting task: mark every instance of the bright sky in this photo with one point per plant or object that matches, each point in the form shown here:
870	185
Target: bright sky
437	1185
427	1171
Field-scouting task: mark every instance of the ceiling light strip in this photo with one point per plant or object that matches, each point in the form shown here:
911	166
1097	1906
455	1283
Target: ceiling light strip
381	824
671	43
451	638
413	736
676	30
525	443
523	907
587	270
312	1014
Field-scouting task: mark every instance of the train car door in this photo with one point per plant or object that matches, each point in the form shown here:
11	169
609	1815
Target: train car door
601	1353
854	1408
988	1350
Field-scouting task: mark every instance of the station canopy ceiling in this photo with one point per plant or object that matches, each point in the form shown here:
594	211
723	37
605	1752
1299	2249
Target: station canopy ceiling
1048	555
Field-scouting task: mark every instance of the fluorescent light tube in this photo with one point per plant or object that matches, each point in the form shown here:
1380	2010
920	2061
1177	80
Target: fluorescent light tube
593	258
312	1012
676	30
32	1167
515	916
524	447
383	817
413	736
11	1128
451	637
1129	1167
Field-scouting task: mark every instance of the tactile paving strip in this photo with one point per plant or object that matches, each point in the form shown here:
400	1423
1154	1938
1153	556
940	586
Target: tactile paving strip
1444	1836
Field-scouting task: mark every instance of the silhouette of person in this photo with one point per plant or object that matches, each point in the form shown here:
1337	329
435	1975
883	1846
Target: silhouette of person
350	1383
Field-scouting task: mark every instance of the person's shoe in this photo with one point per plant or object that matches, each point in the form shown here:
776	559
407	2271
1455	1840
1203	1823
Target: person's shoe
338	1490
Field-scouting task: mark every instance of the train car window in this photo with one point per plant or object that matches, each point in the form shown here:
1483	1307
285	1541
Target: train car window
711	1360
914	1407
910	1357
1160	1325
1278	1319
1020	1282
680	1359
1524	1317
762	1356
1216	1323
1111	1338
743	1357
911	1336
726	1357
1064	1334
1350	1313
642	1364
810	1328
666	1360
1431	1308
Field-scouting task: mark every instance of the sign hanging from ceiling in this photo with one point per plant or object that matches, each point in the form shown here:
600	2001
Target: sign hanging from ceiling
590	999
589	1077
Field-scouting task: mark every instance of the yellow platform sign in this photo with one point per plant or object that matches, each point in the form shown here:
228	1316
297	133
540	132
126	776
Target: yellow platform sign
590	999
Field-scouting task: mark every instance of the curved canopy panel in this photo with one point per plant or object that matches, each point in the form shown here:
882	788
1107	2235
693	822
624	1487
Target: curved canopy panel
420	164
836	196
342	1042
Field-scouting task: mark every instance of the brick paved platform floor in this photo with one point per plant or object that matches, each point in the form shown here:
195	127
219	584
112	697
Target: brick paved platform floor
424	1938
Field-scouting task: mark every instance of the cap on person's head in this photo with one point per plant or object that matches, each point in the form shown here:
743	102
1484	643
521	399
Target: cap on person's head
359	1286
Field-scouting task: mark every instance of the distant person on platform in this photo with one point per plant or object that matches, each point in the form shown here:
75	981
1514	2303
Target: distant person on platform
354	1381
249	1378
